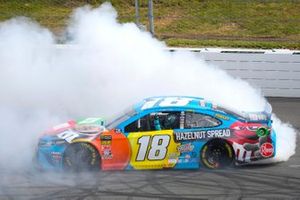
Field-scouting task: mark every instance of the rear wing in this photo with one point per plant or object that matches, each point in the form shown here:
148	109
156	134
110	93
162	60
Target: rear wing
263	116
259	116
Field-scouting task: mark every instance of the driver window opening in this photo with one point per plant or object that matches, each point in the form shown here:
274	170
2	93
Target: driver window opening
157	121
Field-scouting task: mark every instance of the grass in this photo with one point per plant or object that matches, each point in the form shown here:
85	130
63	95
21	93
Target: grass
173	42
192	23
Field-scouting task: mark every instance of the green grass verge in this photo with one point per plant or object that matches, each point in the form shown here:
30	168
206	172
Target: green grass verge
226	23
231	44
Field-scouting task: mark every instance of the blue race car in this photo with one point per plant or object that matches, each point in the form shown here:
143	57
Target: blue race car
175	132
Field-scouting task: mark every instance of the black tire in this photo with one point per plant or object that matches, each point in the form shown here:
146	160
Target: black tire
80	157
217	154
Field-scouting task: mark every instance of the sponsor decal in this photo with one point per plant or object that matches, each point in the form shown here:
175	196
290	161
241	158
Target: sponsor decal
200	135
241	154
172	158
266	150
85	128
257	117
186	160
106	151
56	156
221	116
262	131
92	120
172	161
105	139
186	148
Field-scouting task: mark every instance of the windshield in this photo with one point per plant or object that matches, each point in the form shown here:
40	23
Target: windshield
123	116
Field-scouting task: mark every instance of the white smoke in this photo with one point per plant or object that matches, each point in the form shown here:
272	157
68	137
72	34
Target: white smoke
110	66
285	139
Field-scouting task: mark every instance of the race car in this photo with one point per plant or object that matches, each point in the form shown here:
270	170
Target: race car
172	132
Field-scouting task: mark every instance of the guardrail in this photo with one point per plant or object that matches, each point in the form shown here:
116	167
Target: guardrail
276	72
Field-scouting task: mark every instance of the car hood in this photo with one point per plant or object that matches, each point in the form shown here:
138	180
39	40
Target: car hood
87	128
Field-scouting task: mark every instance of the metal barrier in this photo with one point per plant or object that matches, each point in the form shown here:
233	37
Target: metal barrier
276	72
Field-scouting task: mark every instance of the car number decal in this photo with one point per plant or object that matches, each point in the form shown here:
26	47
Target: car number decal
153	149
164	102
68	135
158	147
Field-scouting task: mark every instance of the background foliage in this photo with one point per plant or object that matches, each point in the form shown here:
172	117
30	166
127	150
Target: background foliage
194	23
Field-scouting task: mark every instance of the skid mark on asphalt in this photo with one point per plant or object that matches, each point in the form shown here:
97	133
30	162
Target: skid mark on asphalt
294	166
259	182
275	181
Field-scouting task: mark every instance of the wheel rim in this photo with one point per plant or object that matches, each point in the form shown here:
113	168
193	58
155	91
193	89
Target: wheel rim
80	158
216	155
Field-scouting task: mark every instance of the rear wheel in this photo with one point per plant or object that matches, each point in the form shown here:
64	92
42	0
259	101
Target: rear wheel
217	154
81	157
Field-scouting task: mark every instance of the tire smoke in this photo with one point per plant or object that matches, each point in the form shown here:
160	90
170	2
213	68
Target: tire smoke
104	67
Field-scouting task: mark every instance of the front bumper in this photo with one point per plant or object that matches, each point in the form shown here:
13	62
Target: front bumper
50	157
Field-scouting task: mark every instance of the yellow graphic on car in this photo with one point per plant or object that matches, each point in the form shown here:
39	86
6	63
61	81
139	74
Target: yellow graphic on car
153	149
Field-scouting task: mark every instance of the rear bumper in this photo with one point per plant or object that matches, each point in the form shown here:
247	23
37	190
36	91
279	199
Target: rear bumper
261	150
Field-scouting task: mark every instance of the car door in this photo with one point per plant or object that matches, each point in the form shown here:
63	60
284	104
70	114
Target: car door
197	130
152	140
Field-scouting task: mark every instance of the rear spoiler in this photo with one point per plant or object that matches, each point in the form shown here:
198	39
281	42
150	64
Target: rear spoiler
263	116
259	116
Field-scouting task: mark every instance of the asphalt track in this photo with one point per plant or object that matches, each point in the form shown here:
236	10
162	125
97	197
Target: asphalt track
272	181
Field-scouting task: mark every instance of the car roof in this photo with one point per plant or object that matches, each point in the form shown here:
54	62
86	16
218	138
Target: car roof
161	103
164	102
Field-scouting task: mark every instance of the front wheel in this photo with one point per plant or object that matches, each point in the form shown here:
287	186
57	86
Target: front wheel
81	157
217	154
